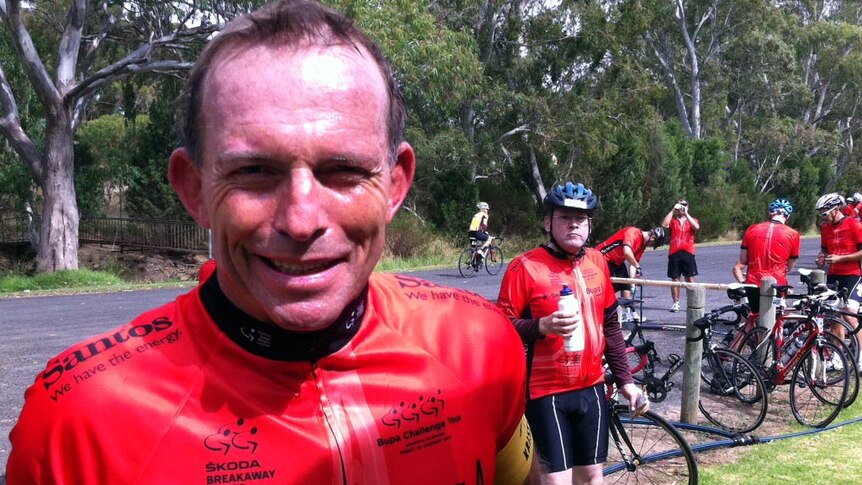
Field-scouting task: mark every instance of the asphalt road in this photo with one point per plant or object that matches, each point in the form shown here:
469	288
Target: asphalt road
34	329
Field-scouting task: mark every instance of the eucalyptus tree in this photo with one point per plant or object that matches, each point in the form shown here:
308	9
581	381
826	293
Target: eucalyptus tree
79	52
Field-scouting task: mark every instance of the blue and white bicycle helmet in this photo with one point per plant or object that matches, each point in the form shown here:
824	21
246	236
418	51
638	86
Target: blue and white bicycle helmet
781	205
482	206
572	196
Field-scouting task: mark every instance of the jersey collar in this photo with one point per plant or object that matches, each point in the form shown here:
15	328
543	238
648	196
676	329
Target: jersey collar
559	253
273	342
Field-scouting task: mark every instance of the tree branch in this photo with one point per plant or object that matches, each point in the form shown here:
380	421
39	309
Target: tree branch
10	128
70	45
10	11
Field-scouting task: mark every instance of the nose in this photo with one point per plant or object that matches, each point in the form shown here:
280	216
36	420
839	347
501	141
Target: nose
300	212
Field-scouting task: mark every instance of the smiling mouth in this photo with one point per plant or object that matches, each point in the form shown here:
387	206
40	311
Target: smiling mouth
299	269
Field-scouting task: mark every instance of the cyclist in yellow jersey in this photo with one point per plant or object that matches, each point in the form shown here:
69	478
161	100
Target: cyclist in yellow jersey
479	226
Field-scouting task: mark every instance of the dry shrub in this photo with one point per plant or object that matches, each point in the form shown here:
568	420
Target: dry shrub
405	237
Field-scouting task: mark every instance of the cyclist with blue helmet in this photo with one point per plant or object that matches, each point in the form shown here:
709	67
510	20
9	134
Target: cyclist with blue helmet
566	405
769	248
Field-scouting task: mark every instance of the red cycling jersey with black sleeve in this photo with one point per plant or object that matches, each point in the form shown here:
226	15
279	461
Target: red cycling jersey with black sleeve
839	239
417	384
612	247
770	245
531	290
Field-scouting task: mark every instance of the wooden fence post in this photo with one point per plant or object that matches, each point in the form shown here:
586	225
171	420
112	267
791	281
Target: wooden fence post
695	300
767	310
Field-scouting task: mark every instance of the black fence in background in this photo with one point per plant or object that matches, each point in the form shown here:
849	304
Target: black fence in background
118	231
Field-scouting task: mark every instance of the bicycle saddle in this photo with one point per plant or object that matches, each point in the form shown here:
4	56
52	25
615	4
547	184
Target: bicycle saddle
737	291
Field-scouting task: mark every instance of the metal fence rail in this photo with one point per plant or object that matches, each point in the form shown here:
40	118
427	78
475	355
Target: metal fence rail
123	232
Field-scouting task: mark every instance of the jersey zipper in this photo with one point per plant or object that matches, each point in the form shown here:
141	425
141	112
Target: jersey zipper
328	416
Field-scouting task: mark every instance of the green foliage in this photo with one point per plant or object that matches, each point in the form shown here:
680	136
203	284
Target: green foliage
102	161
149	193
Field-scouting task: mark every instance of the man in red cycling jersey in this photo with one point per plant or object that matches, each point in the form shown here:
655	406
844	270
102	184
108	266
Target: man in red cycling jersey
566	405
769	248
680	261
841	250
623	252
292	362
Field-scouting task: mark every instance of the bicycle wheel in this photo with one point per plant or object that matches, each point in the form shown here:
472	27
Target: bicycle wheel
853	375
850	340
466	265
494	260
647	449
819	385
759	348
732	393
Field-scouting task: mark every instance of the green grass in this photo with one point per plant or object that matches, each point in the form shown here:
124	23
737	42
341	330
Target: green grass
828	457
82	278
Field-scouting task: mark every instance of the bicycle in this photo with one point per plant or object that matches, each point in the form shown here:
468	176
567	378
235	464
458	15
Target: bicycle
733	395
644	356
645	448
797	350
474	258
746	315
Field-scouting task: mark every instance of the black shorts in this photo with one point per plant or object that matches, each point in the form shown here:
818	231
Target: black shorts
681	263
478	235
851	286
570	429
619	271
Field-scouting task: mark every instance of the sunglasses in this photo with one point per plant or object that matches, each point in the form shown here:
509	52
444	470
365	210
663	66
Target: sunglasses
826	212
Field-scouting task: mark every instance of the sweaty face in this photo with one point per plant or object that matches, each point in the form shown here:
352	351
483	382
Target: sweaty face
569	227
296	182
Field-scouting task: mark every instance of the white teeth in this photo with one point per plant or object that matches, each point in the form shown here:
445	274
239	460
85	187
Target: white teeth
299	269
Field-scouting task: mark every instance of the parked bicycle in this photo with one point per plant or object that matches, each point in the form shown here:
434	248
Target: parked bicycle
733	395
743	315
819	367
474	258
646	448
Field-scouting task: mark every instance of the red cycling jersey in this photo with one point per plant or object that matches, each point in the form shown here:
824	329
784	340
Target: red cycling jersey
531	288
849	210
426	386
842	238
612	247
681	235
769	245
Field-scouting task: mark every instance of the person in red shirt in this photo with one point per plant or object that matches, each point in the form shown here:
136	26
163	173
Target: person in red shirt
292	362
680	261
623	252
841	251
769	248
856	201
566	405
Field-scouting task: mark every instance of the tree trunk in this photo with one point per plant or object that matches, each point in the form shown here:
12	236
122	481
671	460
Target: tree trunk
58	234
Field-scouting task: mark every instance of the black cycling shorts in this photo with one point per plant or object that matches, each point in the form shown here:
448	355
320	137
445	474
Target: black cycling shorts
570	429
478	235
681	263
851	286
619	271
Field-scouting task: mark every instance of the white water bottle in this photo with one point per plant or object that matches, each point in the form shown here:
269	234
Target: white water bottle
569	304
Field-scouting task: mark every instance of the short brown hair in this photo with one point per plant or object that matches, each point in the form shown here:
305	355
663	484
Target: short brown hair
285	22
